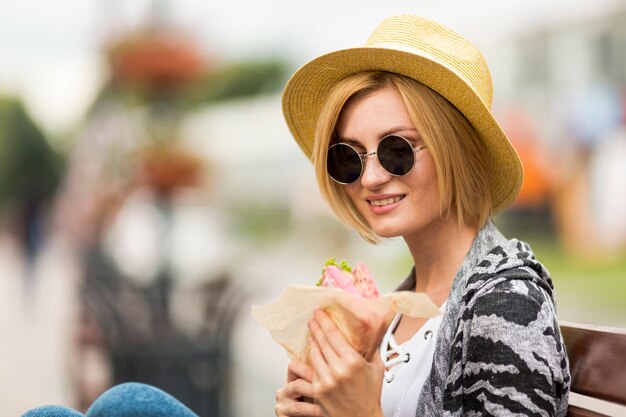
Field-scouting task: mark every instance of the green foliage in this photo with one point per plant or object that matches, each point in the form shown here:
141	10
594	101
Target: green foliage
239	79
587	290
261	223
30	169
590	290
231	80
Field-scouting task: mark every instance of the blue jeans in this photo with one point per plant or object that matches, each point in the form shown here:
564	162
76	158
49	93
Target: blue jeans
126	400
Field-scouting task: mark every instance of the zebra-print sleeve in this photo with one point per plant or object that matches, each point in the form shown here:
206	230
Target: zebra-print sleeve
514	358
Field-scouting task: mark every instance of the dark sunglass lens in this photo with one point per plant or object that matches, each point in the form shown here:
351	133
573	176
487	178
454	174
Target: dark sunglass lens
343	163
396	155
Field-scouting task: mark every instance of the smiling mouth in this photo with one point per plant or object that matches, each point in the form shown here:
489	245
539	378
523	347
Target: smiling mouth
386	201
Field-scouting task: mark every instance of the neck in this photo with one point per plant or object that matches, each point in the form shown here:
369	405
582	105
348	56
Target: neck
438	255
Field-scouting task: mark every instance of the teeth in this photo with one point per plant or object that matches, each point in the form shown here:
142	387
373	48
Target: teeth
385	201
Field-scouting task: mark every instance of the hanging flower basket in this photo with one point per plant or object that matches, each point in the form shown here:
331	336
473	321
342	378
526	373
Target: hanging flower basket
166	167
155	61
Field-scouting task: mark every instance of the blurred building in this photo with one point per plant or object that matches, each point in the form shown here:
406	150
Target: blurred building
565	86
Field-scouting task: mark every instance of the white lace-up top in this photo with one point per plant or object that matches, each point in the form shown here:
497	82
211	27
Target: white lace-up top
407	366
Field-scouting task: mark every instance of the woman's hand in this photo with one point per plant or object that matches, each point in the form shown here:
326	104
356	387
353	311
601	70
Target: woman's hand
344	382
296	397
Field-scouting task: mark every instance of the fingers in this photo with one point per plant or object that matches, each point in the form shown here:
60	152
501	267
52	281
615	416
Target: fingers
332	357
291	408
340	373
373	316
290	400
367	325
331	341
298	389
323	372
297	369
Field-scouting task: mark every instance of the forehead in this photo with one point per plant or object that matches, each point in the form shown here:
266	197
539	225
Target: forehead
372	113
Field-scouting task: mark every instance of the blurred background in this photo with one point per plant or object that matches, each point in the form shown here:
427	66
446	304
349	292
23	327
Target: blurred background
150	191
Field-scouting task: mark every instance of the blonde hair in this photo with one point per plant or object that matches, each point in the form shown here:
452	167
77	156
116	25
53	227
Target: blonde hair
457	150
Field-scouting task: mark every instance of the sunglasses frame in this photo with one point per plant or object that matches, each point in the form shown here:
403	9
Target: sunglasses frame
363	156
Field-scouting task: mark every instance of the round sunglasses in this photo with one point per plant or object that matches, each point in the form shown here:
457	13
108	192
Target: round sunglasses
396	155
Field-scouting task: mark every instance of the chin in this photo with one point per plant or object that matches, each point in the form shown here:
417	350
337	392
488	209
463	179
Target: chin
387	232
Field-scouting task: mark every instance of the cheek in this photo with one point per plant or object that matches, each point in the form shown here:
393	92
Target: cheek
352	191
421	176
423	183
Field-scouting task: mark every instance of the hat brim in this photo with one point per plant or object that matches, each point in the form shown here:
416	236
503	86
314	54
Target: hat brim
307	89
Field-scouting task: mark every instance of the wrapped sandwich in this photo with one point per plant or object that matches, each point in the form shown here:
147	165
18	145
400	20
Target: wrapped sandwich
357	281
339	287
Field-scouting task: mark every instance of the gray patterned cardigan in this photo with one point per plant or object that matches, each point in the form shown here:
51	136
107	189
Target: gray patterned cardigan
499	350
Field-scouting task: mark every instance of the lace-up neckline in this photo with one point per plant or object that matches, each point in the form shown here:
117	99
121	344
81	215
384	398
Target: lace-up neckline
394	353
407	366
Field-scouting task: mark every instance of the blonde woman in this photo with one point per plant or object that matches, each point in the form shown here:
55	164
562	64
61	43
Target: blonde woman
404	145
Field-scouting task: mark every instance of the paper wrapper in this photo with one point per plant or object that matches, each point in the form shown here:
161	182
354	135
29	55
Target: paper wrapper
286	318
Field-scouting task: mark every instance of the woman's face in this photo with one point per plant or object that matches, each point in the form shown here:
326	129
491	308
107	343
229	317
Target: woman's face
393	206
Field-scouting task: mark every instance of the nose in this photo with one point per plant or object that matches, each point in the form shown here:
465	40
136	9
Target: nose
373	173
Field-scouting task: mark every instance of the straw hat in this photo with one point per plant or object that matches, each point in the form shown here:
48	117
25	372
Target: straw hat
425	51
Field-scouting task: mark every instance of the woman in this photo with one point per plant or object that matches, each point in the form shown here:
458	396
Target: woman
404	144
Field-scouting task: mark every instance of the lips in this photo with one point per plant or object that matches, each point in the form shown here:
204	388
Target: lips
384	201
383	204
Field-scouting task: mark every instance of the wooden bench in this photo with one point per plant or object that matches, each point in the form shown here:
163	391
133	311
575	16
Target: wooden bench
597	357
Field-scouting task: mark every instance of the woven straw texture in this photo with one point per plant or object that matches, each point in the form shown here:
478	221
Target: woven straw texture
430	53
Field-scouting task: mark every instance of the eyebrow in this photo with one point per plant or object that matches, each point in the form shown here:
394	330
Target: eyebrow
391	131
397	129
